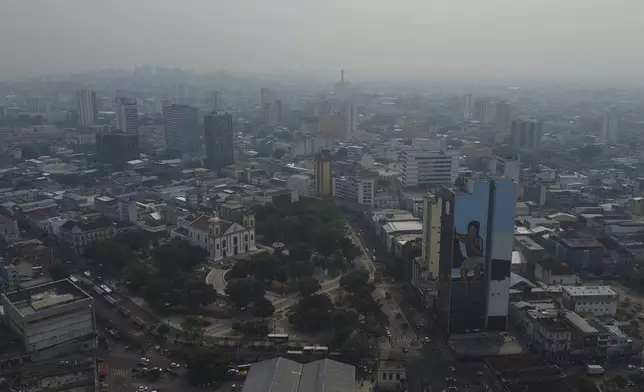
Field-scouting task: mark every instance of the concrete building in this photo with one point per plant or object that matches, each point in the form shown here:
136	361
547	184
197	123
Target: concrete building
428	169
553	272
117	148
219	140
432	212
9	231
526	134
181	128
610	127
80	234
598	300
480	111
392	376
323	175
355	189
121	209
503	117
354	153
349	114
300	183
127	116
87	109
468	106
505	167
524	373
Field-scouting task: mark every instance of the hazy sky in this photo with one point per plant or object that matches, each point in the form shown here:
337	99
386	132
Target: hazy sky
369	38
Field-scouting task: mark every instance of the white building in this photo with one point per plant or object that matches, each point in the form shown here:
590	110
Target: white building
610	127
80	234
354	153
349	114
392	376
505	167
598	300
51	319
219	237
553	272
86	107
127	117
428	168
360	190
300	183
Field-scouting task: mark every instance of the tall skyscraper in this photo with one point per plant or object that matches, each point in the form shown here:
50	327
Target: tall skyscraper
215	98
503	117
181	128
127	116
349	113
610	127
476	239
526	134
468	104
265	96
480	111
86	107
219	140
33	105
432	211
323	177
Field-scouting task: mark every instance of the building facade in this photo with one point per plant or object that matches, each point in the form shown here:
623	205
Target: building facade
87	109
354	189
432	212
427	169
127	115
526	134
80	234
116	148
477	236
182	128
323	175
219	140
598	300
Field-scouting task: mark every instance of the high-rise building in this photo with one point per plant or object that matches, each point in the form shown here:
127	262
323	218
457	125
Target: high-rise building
127	116
33	105
86	107
610	127
358	188
432	210
480	111
428	169
279	111
323	183
116	148
218	139
55	326
505	166
265	96
476	239
503	117
468	104
181	128
215	100
349	114
526	134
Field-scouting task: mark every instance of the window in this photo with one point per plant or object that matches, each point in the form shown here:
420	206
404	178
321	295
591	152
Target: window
223	243
252	236
391	376
235	240
246	237
384	376
397	376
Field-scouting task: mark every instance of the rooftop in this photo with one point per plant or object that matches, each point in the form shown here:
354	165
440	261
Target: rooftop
406	226
43	297
555	267
284	375
589	291
529	243
587	242
578	322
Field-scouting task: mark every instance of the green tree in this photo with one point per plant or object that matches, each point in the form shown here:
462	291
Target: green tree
205	366
109	256
163	329
355	281
300	252
244	291
176	256
253	327
585	384
279	153
312	312
308	285
262	308
58	271
348	249
301	269
620	381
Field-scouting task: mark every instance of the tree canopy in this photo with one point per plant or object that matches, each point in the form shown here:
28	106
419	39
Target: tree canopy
205	366
262	308
312	312
243	292
308	285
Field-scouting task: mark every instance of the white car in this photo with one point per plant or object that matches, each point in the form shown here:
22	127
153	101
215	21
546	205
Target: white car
631	367
427	339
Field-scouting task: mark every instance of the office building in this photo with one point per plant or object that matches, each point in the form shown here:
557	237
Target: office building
116	148
610	127
87	108
476	239
33	105
53	330
127	116
526	134
480	111
265	96
358	189
215	100
503	117
323	178
432	211
428	169
505	166
597	300
468	104
349	114
218	129
181	128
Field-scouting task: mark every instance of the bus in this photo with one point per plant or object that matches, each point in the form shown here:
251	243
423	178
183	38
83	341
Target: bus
124	311
278	337
74	279
315	349
139	321
103	370
294	352
106	288
111	300
98	290
244	367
